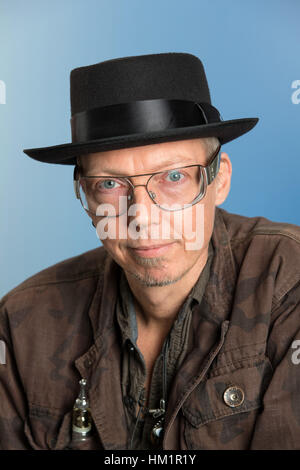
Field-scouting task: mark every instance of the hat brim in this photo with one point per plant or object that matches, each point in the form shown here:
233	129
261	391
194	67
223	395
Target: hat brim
66	154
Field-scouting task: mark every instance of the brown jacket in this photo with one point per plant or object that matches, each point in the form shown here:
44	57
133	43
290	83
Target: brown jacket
238	386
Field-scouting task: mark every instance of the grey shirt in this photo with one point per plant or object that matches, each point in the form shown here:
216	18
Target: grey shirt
133	364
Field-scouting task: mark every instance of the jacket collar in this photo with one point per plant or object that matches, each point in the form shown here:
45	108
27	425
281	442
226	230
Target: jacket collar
222	282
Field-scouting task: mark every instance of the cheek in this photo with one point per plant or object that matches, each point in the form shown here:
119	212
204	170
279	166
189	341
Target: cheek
114	248
198	223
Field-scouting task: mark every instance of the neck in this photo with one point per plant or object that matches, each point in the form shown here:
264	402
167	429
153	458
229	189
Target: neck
157	307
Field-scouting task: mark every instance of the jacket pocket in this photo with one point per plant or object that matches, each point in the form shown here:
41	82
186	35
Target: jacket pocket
45	431
221	411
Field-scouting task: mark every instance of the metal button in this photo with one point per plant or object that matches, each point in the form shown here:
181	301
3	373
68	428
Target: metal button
233	396
87	363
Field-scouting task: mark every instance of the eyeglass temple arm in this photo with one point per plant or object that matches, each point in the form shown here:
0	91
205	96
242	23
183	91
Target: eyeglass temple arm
213	168
75	182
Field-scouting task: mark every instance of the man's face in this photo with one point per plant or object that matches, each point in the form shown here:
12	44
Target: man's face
181	250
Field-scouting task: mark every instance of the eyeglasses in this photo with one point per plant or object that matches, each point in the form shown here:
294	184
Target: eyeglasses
171	190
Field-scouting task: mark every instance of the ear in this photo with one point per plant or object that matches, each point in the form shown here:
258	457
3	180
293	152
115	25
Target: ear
223	179
93	219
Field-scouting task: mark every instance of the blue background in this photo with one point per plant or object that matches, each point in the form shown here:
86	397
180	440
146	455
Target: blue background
250	51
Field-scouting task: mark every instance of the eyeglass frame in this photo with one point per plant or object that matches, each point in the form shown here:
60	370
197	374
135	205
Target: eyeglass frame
210	171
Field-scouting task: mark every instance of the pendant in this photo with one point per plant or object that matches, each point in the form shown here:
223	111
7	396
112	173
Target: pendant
158	429
81	419
157	432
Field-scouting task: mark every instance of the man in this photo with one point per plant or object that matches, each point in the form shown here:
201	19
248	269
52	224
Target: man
182	335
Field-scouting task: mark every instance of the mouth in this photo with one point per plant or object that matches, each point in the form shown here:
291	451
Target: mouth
149	251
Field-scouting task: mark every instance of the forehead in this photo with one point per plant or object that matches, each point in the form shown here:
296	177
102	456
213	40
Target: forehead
145	159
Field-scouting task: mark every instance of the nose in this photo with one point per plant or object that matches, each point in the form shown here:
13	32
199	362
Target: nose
139	196
141	213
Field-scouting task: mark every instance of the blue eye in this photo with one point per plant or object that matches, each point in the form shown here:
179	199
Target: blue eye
175	176
108	184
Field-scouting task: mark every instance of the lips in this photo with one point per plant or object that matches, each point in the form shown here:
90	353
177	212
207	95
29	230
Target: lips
148	247
150	251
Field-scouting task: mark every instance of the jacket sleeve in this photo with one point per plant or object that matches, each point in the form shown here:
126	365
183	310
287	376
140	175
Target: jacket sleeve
278	424
13	408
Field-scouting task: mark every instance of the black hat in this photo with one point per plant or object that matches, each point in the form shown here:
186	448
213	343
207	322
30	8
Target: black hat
140	100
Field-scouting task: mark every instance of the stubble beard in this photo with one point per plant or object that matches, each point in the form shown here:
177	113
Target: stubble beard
147	280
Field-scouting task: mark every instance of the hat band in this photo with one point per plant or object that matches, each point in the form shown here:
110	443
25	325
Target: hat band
140	117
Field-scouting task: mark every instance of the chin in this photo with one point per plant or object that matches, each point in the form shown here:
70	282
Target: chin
149	280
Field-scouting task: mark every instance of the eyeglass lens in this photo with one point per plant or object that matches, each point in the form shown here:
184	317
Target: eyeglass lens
180	187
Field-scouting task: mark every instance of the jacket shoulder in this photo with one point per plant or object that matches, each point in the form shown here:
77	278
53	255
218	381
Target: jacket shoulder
85	265
240	227
260	245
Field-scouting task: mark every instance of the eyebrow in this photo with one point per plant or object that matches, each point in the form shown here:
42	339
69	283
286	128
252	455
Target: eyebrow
110	172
